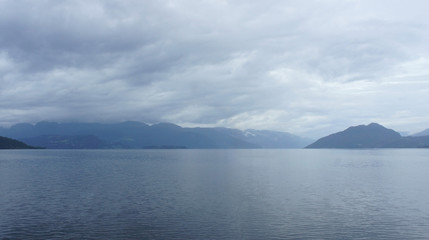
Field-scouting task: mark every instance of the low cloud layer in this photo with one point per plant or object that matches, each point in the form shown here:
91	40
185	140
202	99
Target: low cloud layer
306	67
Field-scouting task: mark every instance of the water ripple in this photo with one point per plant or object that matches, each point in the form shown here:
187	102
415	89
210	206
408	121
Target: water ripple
234	194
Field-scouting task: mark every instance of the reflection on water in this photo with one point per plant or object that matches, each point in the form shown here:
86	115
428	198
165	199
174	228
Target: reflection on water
214	194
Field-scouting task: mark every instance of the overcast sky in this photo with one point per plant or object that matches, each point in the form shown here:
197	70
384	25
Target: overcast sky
306	67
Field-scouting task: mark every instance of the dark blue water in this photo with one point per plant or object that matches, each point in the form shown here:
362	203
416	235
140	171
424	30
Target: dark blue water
214	194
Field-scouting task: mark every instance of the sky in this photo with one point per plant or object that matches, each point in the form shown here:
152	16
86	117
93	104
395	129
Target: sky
310	67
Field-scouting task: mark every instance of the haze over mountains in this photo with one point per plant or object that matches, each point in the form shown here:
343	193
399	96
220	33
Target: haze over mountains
370	136
140	135
422	133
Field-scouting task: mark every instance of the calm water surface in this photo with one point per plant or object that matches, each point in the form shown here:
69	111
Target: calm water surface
214	194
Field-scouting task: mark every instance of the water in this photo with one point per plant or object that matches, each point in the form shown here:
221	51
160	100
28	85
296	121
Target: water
214	194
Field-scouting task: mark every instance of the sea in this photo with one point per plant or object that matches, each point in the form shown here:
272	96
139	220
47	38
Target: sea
214	194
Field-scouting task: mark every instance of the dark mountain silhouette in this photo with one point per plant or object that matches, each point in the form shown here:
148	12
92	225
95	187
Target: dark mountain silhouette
8	143
369	136
141	135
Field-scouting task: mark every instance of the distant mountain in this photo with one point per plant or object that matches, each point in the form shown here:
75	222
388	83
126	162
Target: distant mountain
273	139
422	133
369	136
66	142
141	135
8	143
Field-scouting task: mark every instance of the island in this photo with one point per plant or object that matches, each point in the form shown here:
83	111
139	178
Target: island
9	143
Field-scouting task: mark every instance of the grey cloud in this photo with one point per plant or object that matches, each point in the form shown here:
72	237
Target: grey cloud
298	66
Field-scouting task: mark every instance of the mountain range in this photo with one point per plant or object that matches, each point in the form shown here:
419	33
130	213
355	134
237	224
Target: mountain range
138	135
370	136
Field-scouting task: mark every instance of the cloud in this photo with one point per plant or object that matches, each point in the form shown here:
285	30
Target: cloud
307	67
